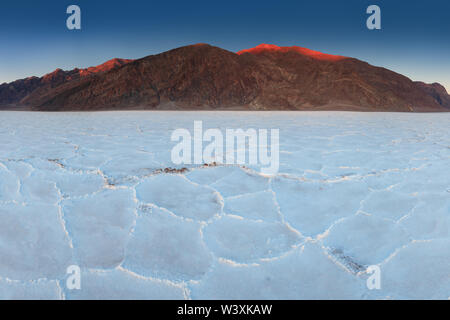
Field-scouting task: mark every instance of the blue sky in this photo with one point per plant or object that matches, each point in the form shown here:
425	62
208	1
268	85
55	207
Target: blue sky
34	40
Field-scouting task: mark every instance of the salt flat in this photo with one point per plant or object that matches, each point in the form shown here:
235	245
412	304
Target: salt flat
353	190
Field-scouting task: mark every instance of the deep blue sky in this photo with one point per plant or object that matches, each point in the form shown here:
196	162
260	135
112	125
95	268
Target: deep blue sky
34	40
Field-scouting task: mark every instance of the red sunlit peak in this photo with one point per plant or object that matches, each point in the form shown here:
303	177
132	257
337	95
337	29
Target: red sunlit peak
303	51
108	65
53	74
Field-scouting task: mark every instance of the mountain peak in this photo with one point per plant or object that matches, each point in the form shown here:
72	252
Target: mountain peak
58	72
106	66
303	51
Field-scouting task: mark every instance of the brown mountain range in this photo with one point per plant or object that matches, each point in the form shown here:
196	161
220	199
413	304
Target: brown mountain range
205	77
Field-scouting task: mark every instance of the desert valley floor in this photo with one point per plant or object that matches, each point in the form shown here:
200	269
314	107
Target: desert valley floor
353	190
